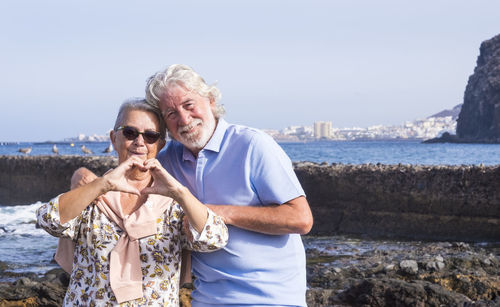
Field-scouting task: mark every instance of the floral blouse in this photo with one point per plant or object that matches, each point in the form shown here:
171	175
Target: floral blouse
160	254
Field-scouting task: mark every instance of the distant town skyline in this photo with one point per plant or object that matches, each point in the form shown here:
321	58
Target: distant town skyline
426	128
67	66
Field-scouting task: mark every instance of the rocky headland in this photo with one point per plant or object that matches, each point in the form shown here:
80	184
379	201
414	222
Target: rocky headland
445	212
479	118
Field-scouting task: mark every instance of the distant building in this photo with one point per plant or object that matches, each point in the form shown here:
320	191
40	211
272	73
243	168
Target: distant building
322	130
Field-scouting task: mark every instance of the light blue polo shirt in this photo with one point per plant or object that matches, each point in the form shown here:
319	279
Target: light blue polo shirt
244	167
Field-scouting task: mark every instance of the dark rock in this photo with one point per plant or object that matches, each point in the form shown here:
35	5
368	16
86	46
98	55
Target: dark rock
376	277
394	292
409	267
416	202
40	293
39	178
479	119
319	297
3	266
57	276
444	138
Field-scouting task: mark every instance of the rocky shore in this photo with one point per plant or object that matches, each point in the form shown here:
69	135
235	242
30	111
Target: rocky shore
452	208
412	274
394	274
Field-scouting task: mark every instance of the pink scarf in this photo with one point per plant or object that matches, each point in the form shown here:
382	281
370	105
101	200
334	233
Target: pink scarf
125	266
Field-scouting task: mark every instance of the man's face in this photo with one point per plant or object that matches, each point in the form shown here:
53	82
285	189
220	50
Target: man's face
189	117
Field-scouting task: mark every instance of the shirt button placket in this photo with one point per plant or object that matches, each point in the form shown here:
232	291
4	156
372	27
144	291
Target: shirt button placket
200	167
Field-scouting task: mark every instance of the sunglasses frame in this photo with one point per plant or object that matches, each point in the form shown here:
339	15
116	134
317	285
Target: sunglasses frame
146	135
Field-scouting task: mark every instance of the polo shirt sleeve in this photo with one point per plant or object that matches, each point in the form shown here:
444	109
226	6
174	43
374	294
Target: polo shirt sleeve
272	174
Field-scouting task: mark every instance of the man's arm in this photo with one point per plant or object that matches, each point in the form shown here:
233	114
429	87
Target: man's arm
293	216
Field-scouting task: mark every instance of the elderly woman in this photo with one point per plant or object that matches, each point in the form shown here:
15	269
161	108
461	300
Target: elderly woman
128	226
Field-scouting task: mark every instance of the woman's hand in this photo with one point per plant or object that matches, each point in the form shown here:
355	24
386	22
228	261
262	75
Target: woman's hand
86	187
116	180
163	183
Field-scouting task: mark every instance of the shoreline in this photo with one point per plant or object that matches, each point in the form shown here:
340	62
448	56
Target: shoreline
343	272
458	203
434	210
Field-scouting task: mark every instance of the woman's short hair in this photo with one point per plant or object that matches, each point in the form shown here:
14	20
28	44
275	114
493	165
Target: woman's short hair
185	76
142	105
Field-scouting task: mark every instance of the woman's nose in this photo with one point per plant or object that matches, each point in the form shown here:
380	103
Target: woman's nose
139	140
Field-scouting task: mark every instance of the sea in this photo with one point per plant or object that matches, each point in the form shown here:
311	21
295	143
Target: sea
27	249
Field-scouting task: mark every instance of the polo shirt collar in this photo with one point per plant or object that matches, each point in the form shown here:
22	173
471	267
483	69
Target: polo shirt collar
215	141
214	144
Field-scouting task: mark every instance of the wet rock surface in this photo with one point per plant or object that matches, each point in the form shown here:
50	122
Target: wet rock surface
404	274
30	290
351	272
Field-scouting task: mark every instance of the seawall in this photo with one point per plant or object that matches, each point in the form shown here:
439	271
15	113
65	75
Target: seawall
405	201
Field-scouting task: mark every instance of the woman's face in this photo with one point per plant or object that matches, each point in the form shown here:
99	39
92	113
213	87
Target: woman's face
142	121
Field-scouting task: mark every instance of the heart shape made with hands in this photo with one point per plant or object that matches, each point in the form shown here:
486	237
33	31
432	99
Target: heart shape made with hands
163	183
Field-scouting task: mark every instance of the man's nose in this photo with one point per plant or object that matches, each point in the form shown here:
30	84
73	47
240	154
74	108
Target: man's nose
184	118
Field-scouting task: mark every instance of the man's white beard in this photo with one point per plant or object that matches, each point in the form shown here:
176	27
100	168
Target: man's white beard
196	140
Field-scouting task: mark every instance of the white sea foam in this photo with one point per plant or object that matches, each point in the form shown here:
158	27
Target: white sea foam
19	220
23	247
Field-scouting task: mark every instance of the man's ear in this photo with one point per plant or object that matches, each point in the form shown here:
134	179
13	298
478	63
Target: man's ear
212	101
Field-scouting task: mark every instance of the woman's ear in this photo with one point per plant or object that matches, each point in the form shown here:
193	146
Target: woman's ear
112	136
161	144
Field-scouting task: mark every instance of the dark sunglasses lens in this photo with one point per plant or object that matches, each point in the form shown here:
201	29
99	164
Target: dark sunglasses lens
130	133
151	136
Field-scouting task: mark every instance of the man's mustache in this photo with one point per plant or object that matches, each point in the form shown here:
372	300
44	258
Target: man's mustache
189	127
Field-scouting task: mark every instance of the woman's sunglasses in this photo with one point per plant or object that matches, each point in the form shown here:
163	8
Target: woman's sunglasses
131	133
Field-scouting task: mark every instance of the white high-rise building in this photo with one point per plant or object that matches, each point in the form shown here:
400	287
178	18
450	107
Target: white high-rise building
322	130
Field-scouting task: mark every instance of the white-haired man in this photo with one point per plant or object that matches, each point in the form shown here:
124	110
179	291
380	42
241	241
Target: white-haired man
244	176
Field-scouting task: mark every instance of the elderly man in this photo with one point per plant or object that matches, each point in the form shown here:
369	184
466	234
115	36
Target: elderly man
244	176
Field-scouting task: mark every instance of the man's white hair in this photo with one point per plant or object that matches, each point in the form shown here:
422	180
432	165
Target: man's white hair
179	74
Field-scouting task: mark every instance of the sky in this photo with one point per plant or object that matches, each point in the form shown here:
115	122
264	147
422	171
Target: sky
68	65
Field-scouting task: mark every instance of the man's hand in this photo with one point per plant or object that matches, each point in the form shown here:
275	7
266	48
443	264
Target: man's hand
81	177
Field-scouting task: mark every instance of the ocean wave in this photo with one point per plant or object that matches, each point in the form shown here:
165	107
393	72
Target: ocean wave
19	220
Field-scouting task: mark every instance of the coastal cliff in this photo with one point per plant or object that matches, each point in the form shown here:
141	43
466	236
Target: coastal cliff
417	202
479	119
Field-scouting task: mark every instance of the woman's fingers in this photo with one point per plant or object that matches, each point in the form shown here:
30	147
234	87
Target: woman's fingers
117	177
153	165
163	182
